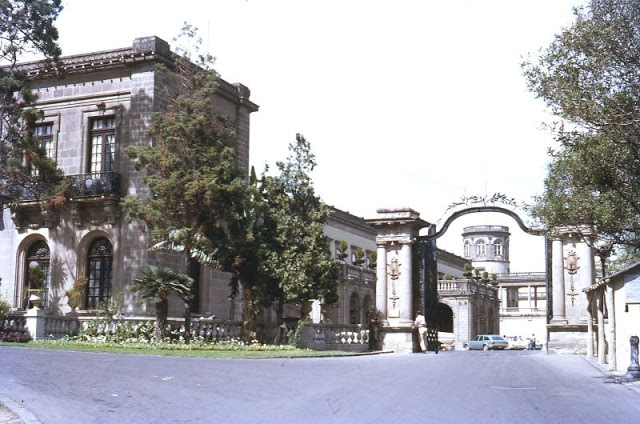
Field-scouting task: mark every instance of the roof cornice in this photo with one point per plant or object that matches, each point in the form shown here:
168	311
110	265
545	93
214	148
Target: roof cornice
146	49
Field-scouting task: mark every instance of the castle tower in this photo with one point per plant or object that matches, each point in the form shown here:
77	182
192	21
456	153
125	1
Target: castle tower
487	247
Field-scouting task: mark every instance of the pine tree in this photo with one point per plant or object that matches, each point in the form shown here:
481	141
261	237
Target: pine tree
197	195
26	27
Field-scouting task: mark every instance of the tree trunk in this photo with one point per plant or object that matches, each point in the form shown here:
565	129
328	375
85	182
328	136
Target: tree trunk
162	309
187	303
249	314
279	320
187	322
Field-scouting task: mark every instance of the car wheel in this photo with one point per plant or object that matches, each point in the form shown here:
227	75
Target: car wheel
485	347
465	346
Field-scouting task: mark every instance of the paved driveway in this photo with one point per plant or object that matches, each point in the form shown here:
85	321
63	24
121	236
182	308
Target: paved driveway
452	387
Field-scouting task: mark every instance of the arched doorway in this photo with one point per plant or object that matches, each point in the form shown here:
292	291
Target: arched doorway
354	309
491	322
445	318
366	307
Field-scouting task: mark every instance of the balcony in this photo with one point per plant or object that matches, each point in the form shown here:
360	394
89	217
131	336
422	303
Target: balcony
94	198
106	184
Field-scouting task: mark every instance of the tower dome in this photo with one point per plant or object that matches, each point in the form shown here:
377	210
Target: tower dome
487	247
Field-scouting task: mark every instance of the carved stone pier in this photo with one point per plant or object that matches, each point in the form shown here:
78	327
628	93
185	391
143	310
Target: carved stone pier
398	231
572	270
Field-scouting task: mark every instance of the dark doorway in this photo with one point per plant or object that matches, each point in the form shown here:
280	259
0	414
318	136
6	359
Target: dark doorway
445	318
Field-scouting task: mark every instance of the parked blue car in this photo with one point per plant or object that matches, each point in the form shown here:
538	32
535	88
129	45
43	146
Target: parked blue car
486	342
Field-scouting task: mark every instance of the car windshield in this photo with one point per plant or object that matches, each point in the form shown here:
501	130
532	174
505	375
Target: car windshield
497	338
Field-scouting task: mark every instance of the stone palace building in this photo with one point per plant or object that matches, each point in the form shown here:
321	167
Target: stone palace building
102	104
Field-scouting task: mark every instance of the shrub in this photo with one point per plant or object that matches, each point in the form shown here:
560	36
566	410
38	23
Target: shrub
294	336
5	309
75	296
13	336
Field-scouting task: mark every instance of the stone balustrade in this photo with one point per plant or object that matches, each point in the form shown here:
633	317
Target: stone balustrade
208	330
514	312
315	336
16	323
451	287
325	336
358	274
59	326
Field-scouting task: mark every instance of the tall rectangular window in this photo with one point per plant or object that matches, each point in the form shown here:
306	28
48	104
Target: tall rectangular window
44	134
103	145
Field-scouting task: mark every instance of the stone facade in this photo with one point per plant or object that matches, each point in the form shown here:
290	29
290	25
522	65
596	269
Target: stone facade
356	288
103	104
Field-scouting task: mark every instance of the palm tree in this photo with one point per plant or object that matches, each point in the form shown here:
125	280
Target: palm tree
156	286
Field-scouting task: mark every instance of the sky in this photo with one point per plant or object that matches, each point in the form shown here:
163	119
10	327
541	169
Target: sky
406	103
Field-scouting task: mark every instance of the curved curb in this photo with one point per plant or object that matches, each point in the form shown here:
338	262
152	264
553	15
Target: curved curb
22	413
618	377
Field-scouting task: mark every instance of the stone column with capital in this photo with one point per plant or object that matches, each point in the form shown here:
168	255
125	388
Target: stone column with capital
398	231
557	280
381	280
573	271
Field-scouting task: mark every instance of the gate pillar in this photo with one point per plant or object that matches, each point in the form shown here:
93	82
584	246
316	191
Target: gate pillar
573	269
396	293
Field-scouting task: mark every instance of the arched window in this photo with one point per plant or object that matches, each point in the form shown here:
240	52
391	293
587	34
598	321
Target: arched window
99	266
467	249
497	246
481	248
38	256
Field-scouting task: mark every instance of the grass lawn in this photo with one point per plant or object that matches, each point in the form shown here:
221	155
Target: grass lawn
194	350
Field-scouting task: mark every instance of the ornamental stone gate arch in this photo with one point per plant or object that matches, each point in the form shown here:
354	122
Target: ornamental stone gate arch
406	271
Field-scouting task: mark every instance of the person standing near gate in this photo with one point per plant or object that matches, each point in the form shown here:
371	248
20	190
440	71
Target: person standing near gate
421	325
533	342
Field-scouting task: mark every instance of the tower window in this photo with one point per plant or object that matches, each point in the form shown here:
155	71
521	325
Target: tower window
497	246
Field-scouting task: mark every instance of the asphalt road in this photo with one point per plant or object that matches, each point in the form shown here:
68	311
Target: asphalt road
452	387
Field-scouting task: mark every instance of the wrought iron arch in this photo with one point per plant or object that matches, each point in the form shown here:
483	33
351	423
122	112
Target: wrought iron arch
477	209
428	277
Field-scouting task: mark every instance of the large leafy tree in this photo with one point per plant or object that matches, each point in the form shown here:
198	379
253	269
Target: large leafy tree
590	80
26	28
295	259
284	256
196	193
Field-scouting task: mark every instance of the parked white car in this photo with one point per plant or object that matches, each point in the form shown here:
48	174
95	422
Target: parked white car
516	342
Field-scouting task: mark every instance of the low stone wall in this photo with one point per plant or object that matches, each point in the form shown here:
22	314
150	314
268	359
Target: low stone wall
38	325
354	338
